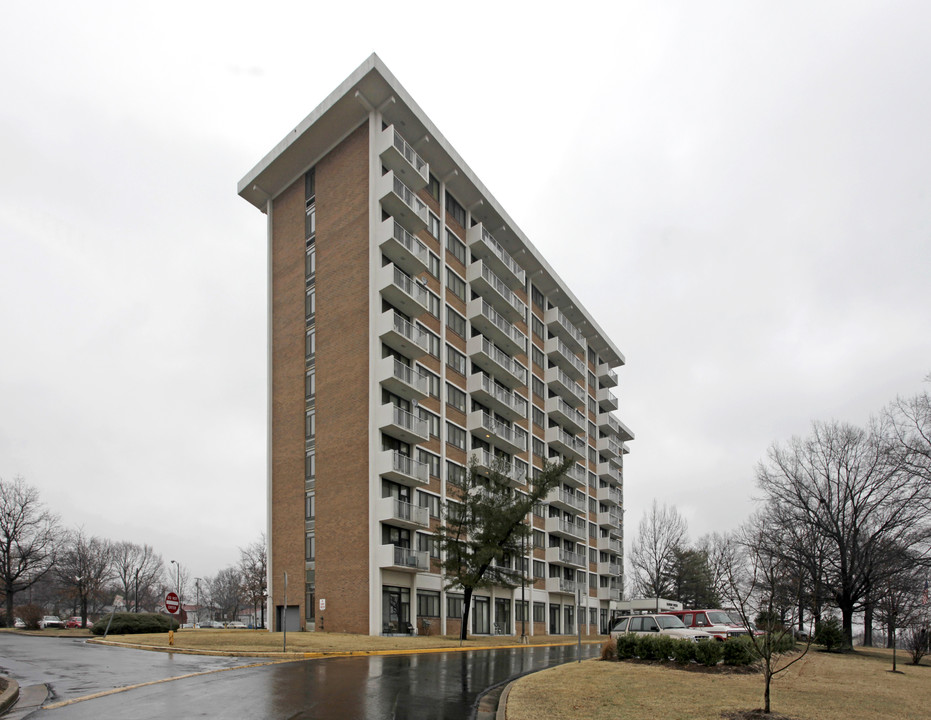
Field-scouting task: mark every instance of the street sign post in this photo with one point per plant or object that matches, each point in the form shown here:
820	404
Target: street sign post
172	603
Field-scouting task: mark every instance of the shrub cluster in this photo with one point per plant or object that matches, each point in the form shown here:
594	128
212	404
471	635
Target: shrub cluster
828	633
735	652
135	623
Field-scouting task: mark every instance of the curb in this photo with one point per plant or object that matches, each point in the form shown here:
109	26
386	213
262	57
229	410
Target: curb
9	696
502	712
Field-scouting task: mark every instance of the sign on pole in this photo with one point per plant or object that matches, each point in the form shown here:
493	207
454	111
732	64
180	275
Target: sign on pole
172	603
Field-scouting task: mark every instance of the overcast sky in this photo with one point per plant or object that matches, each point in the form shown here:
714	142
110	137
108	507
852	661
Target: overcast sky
738	192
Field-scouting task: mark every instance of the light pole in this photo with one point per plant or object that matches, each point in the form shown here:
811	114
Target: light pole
137	591
197	600
180	605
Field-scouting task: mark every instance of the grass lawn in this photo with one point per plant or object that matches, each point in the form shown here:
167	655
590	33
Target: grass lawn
821	686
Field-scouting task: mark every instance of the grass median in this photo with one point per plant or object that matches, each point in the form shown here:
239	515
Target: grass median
821	686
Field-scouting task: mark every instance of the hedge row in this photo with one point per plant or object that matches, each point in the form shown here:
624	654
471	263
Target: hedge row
736	651
135	623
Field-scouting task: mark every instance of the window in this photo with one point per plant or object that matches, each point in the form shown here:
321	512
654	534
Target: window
310	302
310	425
434	265
310	342
310	465
433	421
310	384
539	417
539	510
431	502
310	507
310	262
433	303
539	612
428	544
538	358
430	460
310	194
434	188
455	436
455	210
455	397
539	569
433	381
456	284
455	473
536	325
539	447
455	245
455	322
434	226
310	548
433	340
539	539
592	405
455	360
520	610
428	603
454	606
539	389
536	297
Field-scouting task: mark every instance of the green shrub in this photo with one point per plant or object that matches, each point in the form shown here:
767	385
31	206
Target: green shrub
626	646
135	623
708	652
648	647
665	647
828	633
683	651
737	651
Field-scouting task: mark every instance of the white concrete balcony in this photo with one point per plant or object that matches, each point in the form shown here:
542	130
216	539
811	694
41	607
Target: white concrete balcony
395	557
398	288
561	556
401	202
606	400
483	245
609	447
566	444
560	354
610	472
396	154
497	433
499	399
495	361
606	376
609	594
392	465
486	462
401	379
566	415
561	326
398	333
402	514
608	424
561	585
564	386
610	495
610	519
402	248
565	528
609	544
401	424
564	500
609	568
576	476
493	324
487	284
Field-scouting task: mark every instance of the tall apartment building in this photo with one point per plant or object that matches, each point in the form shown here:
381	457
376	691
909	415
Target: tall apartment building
412	325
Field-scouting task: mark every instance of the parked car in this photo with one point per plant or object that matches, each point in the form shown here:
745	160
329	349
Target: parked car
236	625
75	622
715	622
212	624
656	623
18	623
50	621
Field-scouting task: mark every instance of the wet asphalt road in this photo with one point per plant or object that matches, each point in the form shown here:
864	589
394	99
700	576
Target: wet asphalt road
438	685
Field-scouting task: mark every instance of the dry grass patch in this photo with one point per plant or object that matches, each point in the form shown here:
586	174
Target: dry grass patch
821	686
262	641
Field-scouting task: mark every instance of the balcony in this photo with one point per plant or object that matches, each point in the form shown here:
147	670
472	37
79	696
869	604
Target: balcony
487	284
609	447
560	326
606	400
606	376
564	386
610	472
497	433
401	379
483	245
567	445
609	544
490	322
560	354
610	494
499	399
609	568
561	585
400	334
486	462
407	295
566	557
565	528
401	424
610	519
395	557
564	500
608	424
392	465
402	248
495	361
403	514
565	414
609	593
397	155
401	203
576	476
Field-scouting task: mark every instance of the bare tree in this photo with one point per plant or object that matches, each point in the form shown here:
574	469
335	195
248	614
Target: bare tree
908	423
138	569
226	592
253	565
29	536
83	568
843	484
662	532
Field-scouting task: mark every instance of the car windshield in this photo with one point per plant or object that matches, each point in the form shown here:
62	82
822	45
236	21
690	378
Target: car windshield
669	622
719	617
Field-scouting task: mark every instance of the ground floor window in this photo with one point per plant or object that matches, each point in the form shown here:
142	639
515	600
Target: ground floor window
502	616
310	603
539	612
481	621
428	603
396	609
520	611
454	607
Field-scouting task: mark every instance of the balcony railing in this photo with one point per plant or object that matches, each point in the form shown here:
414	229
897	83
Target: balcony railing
561	325
499	432
485	460
402	379
568	388
484	278
397	155
486	246
402	146
566	557
484	316
606	376
401	202
498	362
484	385
402	468
559	496
560	353
402	335
404	513
402	248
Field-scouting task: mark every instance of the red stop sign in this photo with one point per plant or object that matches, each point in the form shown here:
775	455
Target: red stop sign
172	603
